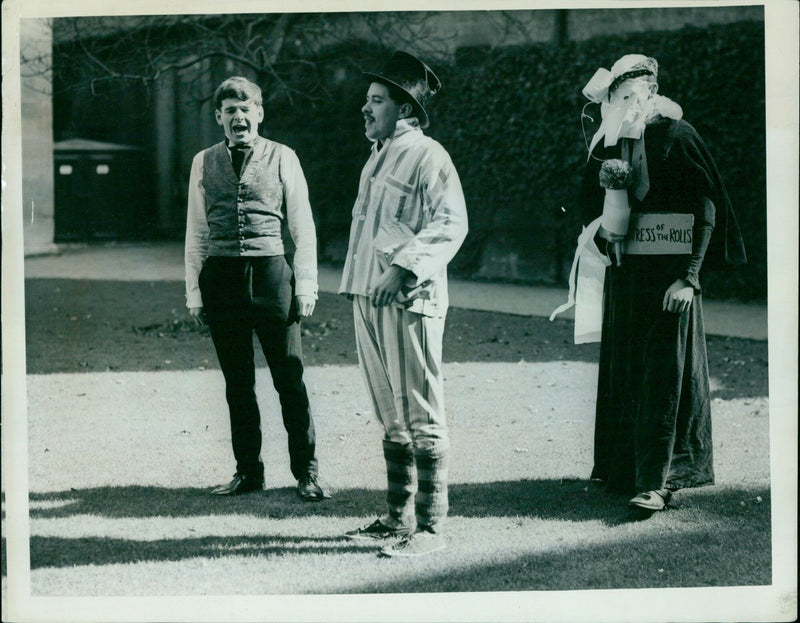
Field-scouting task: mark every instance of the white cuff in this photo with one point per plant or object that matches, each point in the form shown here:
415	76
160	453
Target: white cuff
305	287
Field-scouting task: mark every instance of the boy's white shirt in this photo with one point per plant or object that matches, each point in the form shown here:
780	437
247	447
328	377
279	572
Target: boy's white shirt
298	215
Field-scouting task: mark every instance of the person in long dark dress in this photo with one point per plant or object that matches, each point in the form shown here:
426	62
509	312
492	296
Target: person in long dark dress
653	412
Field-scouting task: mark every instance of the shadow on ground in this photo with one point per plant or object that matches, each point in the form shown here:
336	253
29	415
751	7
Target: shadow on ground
714	536
564	499
560	500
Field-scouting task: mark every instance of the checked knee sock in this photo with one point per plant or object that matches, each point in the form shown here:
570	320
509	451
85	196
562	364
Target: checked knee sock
431	502
400	475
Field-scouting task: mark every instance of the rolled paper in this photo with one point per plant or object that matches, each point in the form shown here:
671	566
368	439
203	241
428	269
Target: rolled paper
616	217
616	211
586	278
597	88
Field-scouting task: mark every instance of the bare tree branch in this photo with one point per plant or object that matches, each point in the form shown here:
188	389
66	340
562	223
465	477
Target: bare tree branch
282	50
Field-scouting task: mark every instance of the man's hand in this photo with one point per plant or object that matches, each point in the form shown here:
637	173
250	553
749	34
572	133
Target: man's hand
197	315
615	243
678	297
305	305
388	285
610	236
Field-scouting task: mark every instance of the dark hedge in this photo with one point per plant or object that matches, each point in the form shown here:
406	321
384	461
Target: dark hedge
510	119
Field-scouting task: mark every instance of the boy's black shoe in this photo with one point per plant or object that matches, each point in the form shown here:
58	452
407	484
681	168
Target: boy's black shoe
241	483
309	490
376	531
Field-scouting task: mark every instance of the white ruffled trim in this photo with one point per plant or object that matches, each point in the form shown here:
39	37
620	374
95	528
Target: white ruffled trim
667	108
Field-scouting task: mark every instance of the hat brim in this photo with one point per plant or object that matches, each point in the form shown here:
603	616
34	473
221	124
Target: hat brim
424	121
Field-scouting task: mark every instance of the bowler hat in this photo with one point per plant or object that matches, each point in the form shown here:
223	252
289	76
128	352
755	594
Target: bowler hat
412	76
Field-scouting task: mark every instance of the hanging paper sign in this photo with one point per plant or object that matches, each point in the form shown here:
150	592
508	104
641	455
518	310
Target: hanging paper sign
659	234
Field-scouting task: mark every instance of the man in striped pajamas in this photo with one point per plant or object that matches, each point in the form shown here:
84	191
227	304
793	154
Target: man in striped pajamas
409	220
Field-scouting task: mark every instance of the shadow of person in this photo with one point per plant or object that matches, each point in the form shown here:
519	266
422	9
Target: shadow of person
549	499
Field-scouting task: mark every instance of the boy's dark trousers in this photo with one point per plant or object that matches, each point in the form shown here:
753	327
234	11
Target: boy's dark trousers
242	295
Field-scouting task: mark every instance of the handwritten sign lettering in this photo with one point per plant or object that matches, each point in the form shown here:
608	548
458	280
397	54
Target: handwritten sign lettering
659	234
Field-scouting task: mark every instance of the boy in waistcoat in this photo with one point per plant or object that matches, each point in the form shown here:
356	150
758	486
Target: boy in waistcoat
242	192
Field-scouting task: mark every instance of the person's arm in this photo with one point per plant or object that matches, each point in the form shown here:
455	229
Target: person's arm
301	226
689	154
196	248
433	246
437	242
590	200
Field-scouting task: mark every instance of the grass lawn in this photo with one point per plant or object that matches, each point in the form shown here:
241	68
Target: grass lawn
128	432
120	505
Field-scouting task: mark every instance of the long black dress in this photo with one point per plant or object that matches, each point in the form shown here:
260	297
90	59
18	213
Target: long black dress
653	418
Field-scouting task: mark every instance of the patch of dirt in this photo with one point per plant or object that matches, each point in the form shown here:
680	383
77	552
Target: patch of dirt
95	326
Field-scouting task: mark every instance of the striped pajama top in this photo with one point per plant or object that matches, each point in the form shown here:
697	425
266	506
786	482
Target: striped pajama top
410	211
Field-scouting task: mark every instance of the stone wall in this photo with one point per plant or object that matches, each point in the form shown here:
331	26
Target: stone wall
36	137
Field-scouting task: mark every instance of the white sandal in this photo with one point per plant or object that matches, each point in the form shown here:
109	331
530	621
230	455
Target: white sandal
655	500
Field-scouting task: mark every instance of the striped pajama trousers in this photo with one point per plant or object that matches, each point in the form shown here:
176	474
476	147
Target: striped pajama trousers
400	355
